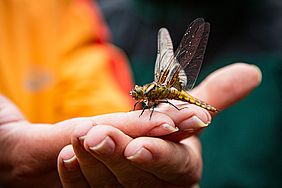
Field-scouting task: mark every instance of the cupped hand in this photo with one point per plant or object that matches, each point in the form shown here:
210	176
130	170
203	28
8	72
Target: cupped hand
127	151
29	151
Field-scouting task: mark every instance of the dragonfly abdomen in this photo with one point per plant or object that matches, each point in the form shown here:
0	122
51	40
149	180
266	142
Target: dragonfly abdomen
186	97
156	93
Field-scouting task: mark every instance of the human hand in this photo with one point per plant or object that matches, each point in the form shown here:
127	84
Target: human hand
29	151
124	159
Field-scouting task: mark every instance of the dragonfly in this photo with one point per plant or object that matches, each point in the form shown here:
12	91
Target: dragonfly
176	72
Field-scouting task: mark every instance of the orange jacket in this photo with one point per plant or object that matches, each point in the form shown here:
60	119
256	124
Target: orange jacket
56	61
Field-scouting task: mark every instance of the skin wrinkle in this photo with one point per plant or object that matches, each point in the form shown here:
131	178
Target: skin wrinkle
140	178
162	164
143	180
188	113
25	168
182	173
7	117
9	164
85	160
164	119
25	171
195	174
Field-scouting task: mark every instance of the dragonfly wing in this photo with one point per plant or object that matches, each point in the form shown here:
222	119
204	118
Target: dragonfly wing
190	53
193	68
164	56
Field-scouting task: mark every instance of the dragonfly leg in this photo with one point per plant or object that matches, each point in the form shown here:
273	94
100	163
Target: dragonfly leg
144	108
166	101
153	108
134	106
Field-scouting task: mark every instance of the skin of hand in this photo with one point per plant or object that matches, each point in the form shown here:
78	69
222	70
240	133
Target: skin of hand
29	151
124	150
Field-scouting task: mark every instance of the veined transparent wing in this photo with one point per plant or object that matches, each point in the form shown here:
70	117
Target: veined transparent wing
164	56
189	56
181	71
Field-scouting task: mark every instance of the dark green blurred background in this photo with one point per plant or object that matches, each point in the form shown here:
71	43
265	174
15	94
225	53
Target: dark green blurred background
242	147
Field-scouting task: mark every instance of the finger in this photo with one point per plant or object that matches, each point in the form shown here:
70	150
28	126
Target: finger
193	126
228	85
176	163
95	172
107	144
180	117
159	124
68	168
190	120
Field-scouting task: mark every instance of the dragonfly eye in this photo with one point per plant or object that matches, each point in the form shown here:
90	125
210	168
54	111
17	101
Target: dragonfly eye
137	93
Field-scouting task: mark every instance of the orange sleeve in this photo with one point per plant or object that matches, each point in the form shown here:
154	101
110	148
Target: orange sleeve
56	61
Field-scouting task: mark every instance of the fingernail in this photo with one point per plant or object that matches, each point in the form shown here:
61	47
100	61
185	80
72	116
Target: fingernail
259	75
162	130
71	163
192	123
169	127
105	147
141	155
81	139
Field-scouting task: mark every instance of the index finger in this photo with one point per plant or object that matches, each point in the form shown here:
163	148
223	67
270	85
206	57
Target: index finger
161	123
134	125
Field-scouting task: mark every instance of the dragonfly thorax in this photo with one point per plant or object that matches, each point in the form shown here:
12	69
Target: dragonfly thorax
150	92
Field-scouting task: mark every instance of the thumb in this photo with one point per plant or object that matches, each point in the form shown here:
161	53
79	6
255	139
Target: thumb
9	112
228	85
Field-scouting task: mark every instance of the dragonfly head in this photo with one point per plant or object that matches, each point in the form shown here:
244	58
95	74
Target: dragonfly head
137	93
